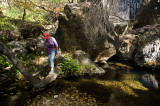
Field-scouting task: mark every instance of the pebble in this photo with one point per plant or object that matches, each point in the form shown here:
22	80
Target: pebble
55	96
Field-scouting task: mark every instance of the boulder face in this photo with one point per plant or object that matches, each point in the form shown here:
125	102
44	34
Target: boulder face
72	32
124	9
147	14
148	49
31	30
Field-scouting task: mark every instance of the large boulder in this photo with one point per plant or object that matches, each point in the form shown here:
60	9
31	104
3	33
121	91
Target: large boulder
147	14
148	49
72	32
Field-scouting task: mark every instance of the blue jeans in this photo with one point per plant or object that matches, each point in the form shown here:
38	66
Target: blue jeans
51	57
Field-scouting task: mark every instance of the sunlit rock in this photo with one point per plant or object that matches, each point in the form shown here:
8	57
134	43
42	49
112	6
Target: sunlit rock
148	47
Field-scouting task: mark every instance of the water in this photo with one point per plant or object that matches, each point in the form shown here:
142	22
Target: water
148	77
122	84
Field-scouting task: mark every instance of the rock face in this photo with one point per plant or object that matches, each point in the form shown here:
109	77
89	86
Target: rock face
147	14
124	9
31	30
73	33
148	48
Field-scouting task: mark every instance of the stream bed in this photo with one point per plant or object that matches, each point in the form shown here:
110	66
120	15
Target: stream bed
121	85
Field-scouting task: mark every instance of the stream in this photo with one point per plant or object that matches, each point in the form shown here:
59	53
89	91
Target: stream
121	85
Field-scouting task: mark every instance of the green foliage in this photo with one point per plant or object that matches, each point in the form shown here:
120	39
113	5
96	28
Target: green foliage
70	66
56	1
3	39
33	10
5	24
4	63
33	13
148	63
88	67
18	74
37	16
151	63
15	12
28	62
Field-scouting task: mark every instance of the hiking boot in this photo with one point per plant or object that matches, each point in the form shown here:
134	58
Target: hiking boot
52	70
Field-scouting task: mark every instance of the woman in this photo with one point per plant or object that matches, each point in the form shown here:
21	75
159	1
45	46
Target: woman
52	47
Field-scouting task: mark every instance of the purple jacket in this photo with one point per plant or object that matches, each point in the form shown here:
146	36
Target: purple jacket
47	44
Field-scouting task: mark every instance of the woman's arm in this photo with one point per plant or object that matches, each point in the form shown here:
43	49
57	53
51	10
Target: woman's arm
56	44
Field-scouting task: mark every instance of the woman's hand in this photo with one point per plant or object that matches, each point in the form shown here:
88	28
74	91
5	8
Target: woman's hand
57	52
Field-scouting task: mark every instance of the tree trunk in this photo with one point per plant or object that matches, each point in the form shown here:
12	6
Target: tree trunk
35	82
24	14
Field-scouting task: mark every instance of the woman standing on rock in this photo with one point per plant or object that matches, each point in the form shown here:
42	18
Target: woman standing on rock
52	47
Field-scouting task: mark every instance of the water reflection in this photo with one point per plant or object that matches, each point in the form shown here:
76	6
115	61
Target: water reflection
149	80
